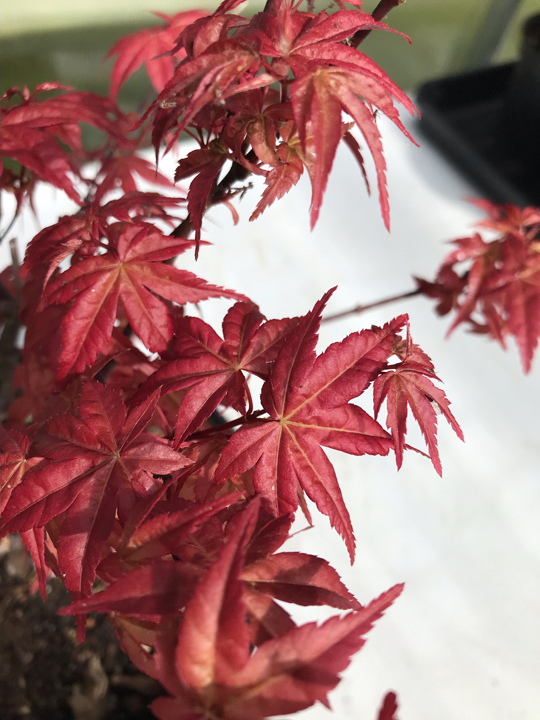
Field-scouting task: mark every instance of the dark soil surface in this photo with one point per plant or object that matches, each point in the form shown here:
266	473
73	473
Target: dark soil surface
44	673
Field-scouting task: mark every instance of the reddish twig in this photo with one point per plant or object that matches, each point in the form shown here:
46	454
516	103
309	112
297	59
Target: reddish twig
361	308
380	12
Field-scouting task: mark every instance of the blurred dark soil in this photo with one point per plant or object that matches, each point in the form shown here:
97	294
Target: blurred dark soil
44	673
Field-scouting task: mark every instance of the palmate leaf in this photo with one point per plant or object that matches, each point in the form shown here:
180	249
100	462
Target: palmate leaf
132	269
151	47
72	232
29	130
160	589
210	368
331	77
292	672
299	578
206	163
218	677
290	577
498	289
93	464
410	385
226	69
121	171
307	398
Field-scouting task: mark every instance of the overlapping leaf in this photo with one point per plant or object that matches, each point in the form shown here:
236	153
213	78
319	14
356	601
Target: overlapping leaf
410	385
307	399
94	464
15	461
29	130
330	78
211	368
150	47
498	290
217	675
131	269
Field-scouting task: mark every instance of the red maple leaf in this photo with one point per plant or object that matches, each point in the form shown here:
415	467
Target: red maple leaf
515	290
225	69
29	130
94	464
298	578
85	229
410	384
290	577
498	290
130	269
211	368
217	676
307	398
508	218
330	78
288	168
152	47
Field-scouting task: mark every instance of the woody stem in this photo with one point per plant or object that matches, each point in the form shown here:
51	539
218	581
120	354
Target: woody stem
361	308
380	12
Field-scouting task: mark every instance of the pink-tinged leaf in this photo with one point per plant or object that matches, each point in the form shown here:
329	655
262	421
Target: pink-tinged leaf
330	78
130	271
301	579
291	672
280	179
86	472
214	640
523	307
121	171
269	536
137	636
410	385
207	163
150	47
267	619
164	534
225	70
29	130
162	588
210	369
307	399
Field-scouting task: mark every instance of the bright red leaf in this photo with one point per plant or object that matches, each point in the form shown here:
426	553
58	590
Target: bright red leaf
285	674
94	464
307	398
131	269
150	47
410	385
212	369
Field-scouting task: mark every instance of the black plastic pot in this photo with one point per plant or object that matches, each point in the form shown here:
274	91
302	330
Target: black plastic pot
488	123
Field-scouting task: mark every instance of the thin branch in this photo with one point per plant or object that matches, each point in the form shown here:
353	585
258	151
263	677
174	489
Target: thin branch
380	12
11	224
370	306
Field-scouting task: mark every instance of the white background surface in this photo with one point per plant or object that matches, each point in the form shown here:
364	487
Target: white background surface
463	641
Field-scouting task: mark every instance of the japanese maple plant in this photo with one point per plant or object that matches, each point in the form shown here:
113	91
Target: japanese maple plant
119	470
